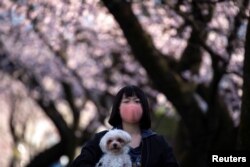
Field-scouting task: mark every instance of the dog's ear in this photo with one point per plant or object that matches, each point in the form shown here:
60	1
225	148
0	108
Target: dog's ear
103	143
127	137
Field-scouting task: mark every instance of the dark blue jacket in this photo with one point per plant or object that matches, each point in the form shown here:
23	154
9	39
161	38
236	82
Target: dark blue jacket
155	152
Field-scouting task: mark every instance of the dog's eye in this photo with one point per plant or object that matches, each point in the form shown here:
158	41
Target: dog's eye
109	141
120	140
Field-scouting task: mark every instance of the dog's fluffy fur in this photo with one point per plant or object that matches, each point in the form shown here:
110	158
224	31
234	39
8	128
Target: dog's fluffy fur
114	145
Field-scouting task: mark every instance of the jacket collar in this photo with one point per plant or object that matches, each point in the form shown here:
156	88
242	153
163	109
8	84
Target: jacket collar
145	133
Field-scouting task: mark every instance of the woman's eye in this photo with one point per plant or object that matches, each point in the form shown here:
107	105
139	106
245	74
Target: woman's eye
125	101
137	101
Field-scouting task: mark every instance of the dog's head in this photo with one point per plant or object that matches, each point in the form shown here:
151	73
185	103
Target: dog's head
115	141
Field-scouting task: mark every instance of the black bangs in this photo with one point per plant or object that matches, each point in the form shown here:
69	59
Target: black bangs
129	91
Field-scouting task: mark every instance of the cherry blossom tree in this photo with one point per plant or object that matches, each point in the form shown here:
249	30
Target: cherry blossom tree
63	61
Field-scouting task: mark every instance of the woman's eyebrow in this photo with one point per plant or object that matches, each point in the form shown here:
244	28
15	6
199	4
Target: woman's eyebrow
131	98
135	98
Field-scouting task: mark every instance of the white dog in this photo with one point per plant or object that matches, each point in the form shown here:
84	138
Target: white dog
114	145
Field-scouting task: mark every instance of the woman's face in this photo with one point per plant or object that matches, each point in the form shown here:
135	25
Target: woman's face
131	109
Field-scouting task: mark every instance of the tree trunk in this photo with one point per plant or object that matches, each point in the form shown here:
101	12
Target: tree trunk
244	132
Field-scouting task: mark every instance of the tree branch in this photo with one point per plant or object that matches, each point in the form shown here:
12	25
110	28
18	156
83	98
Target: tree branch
165	80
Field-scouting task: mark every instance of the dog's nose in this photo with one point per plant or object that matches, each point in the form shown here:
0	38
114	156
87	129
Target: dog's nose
115	145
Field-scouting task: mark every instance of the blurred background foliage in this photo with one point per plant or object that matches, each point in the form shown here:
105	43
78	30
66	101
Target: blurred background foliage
62	61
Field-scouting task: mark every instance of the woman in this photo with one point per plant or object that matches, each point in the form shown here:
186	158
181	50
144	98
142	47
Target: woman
130	112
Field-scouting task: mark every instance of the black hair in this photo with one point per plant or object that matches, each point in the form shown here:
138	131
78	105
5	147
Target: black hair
128	91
